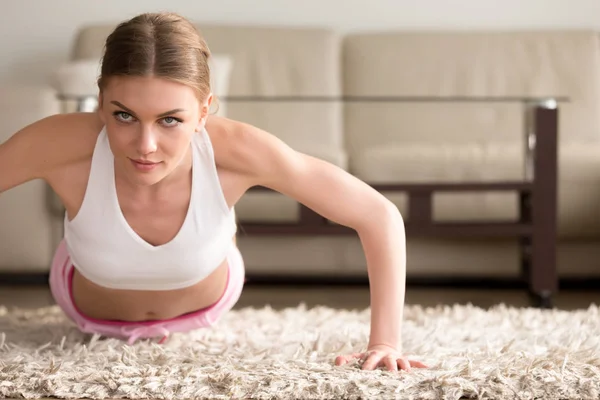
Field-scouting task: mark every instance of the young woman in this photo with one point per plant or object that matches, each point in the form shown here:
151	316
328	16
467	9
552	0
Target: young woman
150	181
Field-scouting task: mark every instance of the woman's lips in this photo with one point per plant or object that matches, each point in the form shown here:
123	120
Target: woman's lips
144	165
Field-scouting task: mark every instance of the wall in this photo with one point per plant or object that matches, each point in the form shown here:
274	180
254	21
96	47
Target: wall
36	35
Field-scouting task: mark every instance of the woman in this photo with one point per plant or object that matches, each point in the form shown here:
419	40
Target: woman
150	181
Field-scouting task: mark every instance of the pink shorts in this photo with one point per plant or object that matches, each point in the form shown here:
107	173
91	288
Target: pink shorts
61	274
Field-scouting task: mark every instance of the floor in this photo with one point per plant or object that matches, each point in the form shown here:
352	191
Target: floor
350	297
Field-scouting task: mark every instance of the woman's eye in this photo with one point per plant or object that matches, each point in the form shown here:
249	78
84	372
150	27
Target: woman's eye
123	116
170	121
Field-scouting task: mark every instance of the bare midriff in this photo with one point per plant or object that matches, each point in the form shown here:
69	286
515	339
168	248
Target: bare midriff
99	302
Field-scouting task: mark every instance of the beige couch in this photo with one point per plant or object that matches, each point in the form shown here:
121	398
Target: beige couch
410	142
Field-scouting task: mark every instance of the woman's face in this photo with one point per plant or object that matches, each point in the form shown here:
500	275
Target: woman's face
150	122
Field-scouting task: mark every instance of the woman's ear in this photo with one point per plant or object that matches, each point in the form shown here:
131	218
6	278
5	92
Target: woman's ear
204	112
206	106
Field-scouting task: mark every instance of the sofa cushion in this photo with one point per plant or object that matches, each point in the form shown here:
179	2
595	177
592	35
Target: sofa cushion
271	62
479	64
444	162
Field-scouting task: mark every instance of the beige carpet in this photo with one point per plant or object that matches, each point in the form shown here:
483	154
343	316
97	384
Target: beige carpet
502	353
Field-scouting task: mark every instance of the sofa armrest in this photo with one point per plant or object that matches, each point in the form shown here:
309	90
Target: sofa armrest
29	230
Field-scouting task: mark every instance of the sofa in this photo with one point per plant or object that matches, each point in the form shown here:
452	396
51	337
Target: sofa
409	141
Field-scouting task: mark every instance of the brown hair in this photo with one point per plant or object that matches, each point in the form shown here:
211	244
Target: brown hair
164	45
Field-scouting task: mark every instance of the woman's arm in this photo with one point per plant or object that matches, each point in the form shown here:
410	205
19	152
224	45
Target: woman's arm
346	200
42	148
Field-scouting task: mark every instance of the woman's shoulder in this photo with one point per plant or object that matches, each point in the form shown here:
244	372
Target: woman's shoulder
237	145
68	138
63	134
77	128
79	132
48	145
246	149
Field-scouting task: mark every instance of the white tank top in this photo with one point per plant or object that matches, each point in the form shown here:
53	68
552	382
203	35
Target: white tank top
107	251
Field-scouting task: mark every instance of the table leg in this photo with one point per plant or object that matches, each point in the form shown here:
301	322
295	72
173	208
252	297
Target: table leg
543	277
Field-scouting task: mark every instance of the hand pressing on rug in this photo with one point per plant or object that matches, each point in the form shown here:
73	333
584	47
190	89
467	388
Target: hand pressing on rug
381	356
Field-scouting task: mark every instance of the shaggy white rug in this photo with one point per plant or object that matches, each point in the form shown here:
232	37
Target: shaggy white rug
500	353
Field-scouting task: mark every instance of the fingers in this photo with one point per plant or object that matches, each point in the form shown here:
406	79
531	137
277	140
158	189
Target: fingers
404	364
390	363
372	361
343	360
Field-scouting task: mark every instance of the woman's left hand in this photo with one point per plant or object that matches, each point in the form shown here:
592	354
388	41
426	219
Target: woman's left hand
381	355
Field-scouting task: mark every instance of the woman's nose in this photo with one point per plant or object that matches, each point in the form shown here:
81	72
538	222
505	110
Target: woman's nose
147	142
